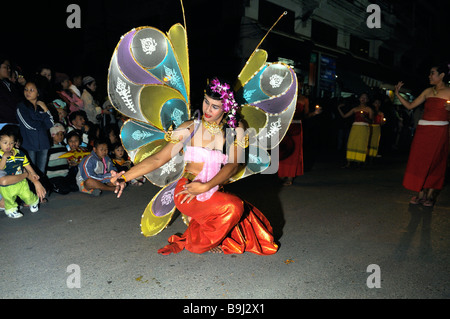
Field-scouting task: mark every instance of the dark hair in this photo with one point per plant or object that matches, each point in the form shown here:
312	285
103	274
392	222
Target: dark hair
44	66
100	141
114	146
73	115
8	130
3	59
11	130
443	68
216	96
72	134
40	95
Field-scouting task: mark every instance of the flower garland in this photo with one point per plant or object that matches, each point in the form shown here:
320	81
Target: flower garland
229	104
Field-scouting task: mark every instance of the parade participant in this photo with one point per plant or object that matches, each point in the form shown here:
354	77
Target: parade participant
216	218
358	140
291	148
425	171
375	129
189	157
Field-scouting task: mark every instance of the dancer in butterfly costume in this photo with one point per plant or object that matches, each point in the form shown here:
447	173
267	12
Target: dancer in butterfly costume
149	82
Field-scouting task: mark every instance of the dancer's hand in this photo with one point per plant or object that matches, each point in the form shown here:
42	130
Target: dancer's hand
118	182
188	197
398	87
190	190
196	188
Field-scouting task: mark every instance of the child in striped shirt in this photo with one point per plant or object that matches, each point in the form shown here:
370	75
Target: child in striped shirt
58	168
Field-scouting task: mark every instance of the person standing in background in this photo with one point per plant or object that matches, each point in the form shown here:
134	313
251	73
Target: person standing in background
9	94
90	105
35	121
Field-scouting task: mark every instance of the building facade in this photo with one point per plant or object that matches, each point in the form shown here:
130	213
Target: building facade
341	47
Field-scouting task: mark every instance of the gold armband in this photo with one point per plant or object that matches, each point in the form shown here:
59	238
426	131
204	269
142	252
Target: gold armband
242	143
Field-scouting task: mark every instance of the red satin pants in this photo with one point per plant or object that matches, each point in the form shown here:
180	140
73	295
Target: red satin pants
223	220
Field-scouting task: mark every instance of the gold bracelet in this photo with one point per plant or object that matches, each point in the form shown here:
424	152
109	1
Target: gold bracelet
168	137
123	176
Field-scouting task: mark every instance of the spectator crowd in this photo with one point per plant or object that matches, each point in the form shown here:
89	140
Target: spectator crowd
56	132
69	134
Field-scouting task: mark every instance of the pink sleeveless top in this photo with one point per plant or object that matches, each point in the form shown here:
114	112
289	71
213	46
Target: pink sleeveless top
212	163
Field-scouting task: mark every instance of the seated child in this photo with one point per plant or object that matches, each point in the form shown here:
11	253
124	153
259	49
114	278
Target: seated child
12	162
75	152
77	122
58	166
123	163
94	171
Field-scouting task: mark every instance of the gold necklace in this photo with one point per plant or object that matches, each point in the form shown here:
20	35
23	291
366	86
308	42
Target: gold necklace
435	91
213	127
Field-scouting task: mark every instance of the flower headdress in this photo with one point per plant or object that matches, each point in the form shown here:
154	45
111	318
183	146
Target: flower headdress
229	104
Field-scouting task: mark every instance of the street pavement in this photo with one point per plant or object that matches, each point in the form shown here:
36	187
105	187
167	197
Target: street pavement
343	233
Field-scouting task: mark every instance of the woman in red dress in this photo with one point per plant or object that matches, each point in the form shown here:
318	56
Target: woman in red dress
291	148
425	171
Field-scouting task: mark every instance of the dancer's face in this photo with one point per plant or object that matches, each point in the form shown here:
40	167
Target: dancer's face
363	99
435	77
212	109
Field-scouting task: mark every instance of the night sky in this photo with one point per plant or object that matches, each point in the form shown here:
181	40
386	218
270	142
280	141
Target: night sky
36	33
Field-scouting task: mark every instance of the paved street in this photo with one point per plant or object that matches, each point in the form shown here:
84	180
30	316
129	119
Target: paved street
331	225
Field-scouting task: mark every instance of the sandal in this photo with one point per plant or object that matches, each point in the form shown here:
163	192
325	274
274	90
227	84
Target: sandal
428	203
287	181
415	200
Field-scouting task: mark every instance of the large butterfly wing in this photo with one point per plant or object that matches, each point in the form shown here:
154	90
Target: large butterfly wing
148	82
267	93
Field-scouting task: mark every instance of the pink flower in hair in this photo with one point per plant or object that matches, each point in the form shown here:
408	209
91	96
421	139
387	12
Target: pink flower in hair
229	104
